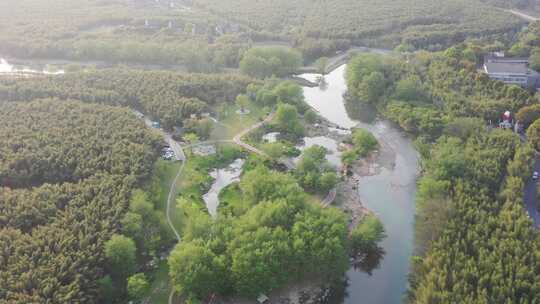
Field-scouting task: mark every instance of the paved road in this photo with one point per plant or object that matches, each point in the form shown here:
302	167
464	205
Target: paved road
523	15
531	198
175	146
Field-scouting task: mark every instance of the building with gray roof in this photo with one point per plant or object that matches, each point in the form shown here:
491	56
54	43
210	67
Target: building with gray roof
511	70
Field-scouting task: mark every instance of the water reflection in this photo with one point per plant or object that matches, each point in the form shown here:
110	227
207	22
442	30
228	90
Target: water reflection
361	111
381	275
333	156
370	261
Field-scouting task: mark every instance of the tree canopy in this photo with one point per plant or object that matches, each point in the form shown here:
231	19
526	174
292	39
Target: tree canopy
68	169
474	242
276	238
168	97
270	61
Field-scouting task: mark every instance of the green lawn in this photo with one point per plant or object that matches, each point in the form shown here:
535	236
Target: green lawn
164	173
194	180
235	123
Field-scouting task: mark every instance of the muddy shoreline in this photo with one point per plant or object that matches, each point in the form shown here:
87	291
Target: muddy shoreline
382	158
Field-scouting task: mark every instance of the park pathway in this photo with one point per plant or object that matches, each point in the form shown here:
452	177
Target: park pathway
524	15
238	138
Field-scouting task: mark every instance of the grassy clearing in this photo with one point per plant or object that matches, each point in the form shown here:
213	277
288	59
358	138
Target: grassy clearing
236	123
164	174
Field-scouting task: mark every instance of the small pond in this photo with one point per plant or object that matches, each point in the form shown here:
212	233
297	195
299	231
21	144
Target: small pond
222	178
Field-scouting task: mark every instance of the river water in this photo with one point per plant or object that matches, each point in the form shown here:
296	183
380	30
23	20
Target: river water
390	194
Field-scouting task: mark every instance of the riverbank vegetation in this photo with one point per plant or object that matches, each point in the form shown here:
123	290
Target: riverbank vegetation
67	173
196	180
287	98
83	198
313	171
470	213
363	143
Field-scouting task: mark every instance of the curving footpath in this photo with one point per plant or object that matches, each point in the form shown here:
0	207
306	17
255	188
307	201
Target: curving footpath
238	138
170	197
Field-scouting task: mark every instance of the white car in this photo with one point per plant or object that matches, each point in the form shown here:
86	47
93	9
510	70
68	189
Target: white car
535	175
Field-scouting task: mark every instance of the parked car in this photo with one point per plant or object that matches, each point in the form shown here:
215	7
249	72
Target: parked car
535	175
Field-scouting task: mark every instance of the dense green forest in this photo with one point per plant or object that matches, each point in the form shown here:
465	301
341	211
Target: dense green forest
419	23
82	191
143	31
166	96
474	241
67	170
205	36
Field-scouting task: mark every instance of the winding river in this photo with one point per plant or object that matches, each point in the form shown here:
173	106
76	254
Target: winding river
390	193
